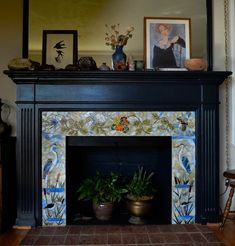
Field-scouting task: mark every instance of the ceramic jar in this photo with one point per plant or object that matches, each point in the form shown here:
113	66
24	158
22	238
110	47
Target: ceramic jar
104	67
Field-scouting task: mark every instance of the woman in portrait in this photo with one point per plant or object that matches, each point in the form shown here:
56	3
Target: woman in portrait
164	47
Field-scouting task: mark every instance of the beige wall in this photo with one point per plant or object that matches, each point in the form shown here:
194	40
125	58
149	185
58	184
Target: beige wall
11	43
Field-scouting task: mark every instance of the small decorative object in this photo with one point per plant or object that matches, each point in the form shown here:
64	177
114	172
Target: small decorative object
35	65
131	64
59	48
167	42
139	65
196	64
140	196
71	67
47	67
116	40
20	64
87	63
104	191
104	67
5	129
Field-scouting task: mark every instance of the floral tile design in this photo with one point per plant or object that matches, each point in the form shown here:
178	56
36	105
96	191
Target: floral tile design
57	125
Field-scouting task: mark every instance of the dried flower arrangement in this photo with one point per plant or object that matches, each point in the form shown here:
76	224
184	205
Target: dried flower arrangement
114	38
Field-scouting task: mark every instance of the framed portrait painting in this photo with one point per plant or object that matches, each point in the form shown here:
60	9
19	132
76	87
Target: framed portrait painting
59	48
167	42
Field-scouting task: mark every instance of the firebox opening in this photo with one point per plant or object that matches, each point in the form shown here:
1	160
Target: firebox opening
87	155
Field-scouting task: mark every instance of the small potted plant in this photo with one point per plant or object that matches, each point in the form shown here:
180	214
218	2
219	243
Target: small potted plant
104	191
140	196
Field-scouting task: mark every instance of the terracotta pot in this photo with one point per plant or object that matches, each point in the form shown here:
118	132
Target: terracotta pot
196	64
103	211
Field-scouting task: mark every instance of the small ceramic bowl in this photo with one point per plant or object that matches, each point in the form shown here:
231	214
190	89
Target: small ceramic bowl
196	64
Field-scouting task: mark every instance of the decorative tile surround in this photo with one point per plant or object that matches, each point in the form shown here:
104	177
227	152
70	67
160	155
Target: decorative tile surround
57	125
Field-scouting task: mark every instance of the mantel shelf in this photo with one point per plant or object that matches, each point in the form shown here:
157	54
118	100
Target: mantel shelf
73	77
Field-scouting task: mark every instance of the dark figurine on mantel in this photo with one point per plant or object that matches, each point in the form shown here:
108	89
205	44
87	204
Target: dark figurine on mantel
5	129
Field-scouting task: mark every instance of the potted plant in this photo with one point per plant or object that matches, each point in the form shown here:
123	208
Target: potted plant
140	196
104	191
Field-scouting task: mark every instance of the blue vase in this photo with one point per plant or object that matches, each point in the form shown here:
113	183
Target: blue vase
119	58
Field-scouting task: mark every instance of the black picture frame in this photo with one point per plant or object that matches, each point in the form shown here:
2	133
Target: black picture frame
59	48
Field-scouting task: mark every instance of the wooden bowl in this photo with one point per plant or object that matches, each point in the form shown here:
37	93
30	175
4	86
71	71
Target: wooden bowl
196	64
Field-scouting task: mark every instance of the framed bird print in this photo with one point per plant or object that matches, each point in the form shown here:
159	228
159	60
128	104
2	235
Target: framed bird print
59	48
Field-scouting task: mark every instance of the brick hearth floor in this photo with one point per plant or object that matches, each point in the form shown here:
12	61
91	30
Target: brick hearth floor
177	235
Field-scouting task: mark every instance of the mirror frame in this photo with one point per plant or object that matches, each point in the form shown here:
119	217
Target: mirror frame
209	32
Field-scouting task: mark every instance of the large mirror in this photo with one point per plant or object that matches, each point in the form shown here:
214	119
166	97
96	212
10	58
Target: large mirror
90	17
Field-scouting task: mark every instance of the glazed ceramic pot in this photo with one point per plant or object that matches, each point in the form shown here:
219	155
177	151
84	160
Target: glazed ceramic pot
139	65
196	64
103	211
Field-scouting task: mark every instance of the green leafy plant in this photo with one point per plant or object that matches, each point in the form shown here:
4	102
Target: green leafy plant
141	186
102	189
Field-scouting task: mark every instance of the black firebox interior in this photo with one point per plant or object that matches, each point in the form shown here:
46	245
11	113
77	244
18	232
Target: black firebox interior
87	155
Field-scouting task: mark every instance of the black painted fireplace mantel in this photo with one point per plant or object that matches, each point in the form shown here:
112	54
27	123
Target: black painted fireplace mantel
39	91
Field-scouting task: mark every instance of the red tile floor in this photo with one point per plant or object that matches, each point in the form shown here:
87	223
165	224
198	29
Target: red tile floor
177	235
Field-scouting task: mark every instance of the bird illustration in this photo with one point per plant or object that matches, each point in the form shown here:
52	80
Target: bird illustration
183	123
51	162
60	45
50	205
183	159
47	168
60	55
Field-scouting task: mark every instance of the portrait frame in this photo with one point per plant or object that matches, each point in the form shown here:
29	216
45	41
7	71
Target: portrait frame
158	52
59	48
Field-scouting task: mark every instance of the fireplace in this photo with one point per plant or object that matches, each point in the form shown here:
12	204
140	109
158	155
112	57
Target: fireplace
185	102
143	130
87	155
